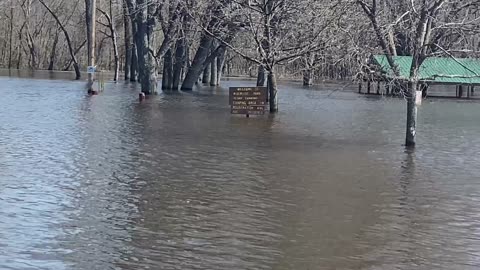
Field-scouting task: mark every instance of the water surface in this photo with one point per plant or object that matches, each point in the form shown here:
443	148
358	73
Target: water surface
176	182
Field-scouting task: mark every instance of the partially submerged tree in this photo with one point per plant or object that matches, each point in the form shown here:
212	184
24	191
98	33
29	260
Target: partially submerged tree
280	31
90	19
426	28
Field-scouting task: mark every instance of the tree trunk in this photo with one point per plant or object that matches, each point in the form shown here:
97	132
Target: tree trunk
134	62
206	74
11	39
180	59
220	64
53	52
308	73
90	17
308	77
419	52
411	115
113	31
127	25
19	57
167	77
261	76
213	72
33	52
272	92
198	63
116	60
145	41
134	49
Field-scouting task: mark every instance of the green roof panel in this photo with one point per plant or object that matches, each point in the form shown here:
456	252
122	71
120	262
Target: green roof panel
442	70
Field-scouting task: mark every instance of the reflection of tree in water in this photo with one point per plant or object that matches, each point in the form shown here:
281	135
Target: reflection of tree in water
407	227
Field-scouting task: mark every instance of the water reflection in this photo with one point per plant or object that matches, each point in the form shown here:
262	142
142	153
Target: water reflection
176	182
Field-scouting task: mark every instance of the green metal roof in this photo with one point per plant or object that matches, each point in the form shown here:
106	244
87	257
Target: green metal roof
440	70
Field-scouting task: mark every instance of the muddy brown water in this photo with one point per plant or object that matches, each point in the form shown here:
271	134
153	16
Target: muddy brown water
176	182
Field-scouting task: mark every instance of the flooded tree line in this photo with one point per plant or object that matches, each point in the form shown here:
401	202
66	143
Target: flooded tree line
186	42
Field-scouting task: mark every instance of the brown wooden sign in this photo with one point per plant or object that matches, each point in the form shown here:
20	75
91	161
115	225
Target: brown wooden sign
248	100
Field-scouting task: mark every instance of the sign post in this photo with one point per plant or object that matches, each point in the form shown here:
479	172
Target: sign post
248	100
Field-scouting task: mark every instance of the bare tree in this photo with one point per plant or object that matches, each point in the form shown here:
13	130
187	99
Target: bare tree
67	37
113	36
273	26
425	24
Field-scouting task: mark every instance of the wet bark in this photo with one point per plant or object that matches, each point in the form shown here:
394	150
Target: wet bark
145	41
308	73
167	76
272	92
131	6
213	72
180	60
308	77
200	58
206	74
411	115
261	78
90	18
53	53
197	65
116	58
134	61
127	25
19	57
220	65
422	37
10	45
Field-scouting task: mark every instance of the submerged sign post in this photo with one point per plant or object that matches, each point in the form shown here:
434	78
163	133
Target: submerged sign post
248	100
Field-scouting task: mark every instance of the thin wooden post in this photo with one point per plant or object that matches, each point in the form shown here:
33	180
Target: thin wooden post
468	91
360	87
473	90
369	87
378	87
460	91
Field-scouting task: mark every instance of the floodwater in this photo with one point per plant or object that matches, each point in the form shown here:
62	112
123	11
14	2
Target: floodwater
177	182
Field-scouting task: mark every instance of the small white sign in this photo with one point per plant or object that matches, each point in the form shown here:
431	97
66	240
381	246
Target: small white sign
91	69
